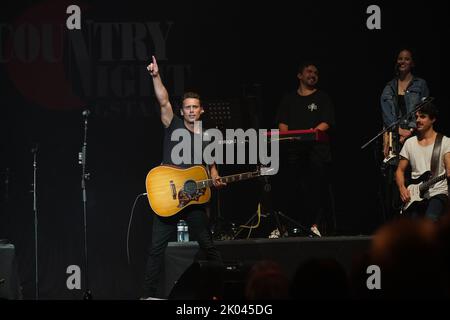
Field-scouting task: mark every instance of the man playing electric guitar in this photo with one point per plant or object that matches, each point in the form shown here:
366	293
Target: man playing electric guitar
428	151
164	228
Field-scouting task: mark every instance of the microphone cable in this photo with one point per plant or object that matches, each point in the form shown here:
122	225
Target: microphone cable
129	224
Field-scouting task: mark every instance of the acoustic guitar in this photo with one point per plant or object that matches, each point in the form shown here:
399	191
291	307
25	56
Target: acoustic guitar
171	189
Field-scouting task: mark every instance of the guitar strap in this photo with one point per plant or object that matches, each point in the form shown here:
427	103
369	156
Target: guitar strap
436	155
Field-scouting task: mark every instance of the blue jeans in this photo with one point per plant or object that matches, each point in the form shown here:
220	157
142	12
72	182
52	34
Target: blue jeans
164	230
432	208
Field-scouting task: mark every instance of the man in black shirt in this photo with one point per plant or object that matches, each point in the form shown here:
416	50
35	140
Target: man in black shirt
305	165
164	228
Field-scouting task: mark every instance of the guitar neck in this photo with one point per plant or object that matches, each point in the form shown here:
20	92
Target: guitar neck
228	179
432	181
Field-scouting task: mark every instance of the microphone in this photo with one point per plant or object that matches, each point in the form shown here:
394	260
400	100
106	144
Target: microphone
86	112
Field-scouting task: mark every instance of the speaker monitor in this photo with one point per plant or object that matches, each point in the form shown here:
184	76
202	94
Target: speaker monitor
206	280
9	278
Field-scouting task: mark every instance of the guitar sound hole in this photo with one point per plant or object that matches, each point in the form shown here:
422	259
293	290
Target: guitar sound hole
190	187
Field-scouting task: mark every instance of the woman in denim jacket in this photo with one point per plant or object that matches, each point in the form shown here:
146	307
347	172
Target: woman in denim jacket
400	96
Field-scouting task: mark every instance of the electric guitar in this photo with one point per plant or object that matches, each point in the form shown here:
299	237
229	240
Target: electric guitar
170	189
419	186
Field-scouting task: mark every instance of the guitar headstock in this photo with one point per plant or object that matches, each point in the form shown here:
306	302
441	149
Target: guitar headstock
266	171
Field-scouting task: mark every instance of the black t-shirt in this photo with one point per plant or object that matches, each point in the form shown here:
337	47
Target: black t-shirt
306	112
402	108
168	145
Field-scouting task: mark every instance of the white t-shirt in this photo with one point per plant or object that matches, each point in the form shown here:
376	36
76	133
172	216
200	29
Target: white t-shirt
419	158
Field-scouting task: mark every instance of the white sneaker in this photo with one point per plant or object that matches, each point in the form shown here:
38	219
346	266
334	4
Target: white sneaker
315	230
275	234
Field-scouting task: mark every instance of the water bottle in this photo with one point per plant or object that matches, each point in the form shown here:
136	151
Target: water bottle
182	231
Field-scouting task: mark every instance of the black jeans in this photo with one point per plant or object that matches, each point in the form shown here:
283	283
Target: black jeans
303	185
432	208
164	230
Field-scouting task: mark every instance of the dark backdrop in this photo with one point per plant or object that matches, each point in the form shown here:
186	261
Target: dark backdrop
226	51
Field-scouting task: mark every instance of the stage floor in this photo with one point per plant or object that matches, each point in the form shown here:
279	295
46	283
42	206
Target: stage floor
288	252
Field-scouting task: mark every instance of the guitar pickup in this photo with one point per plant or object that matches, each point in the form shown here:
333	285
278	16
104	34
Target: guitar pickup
174	190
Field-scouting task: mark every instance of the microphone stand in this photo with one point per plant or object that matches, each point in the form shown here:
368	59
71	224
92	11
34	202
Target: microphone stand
84	177
219	219
395	123
34	151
